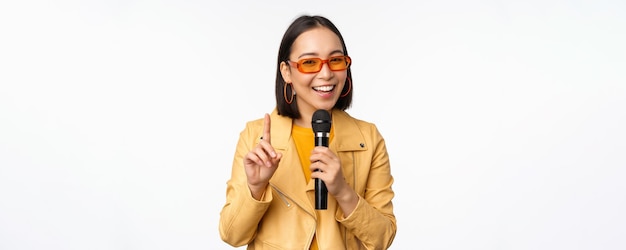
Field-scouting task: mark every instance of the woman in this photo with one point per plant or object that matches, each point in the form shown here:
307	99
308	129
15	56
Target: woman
270	196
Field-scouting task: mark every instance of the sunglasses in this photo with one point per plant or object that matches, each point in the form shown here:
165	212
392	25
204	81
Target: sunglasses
314	65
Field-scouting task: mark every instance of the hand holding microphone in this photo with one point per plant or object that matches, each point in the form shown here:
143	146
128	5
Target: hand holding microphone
326	168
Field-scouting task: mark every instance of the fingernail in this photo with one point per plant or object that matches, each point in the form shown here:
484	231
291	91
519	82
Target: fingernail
273	154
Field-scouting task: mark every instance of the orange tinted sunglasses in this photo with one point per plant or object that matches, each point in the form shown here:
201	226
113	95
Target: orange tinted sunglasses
314	65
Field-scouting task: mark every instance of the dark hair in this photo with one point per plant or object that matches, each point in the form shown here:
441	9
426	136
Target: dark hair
297	27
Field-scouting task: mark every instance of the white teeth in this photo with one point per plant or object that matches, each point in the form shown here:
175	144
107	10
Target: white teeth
324	88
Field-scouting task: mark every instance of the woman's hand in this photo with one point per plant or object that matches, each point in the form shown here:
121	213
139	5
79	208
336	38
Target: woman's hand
326	166
261	162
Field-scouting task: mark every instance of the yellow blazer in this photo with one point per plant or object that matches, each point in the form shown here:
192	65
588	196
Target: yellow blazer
286	217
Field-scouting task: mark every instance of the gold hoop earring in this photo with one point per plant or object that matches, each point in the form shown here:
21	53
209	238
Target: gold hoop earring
293	93
349	88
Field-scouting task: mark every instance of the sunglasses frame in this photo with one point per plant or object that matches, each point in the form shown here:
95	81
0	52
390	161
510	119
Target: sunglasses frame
298	64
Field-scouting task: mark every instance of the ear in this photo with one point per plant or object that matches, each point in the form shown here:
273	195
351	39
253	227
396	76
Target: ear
285	71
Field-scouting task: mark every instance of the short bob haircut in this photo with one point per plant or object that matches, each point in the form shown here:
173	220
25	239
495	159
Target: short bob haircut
297	27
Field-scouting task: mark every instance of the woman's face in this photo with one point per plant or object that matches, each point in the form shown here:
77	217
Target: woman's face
319	90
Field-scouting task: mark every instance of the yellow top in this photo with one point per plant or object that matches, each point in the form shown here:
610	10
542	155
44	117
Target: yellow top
305	142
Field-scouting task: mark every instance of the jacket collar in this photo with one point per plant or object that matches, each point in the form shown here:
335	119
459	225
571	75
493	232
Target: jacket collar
347	136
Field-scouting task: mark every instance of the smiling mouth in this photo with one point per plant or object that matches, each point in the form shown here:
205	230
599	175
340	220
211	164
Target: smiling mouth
327	88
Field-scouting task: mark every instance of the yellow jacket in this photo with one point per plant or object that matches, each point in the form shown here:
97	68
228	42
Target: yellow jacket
285	218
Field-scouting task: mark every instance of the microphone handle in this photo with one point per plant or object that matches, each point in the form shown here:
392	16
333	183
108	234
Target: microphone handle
321	193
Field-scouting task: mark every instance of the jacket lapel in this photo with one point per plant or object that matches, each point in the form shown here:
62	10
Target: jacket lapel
289	178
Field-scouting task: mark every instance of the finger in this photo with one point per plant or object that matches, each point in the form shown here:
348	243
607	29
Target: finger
252	158
324	155
262	154
318	174
266	128
317	166
267	136
322	151
318	157
276	159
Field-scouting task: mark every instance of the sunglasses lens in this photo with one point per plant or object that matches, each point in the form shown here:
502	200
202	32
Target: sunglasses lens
310	65
338	63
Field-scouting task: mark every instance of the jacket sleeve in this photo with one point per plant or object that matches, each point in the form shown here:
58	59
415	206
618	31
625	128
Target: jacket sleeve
373	221
241	214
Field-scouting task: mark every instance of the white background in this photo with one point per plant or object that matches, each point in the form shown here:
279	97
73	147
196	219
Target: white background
505	120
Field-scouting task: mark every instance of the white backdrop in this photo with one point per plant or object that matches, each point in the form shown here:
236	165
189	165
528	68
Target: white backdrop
504	119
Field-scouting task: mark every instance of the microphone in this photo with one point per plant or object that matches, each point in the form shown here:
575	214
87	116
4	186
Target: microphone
321	128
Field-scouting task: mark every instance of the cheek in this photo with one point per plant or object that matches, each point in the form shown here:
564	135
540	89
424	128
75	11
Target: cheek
341	74
301	81
343	79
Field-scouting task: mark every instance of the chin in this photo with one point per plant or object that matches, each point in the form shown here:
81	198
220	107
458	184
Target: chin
325	107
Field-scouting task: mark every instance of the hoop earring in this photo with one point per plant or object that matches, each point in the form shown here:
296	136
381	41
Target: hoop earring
349	88
289	101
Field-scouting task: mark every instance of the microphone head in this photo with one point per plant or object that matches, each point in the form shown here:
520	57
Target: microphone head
321	121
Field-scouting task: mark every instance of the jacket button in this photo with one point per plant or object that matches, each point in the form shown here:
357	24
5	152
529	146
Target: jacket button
362	145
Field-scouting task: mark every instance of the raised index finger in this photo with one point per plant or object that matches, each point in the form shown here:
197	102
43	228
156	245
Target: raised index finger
266	129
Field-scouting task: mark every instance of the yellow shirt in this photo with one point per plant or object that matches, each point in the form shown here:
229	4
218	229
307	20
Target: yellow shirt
305	142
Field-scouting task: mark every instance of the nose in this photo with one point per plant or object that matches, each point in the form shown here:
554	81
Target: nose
325	72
